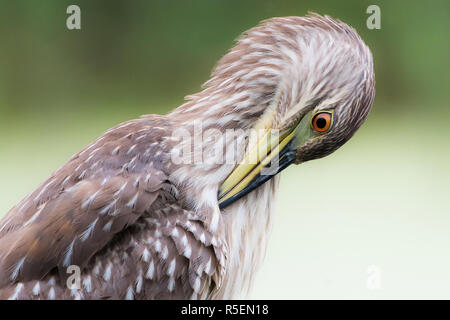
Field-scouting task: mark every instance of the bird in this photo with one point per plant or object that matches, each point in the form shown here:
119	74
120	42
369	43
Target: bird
180	206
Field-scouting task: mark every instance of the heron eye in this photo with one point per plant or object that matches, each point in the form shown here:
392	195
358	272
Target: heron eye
321	122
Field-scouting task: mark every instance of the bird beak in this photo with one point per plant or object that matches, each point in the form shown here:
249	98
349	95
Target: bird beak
271	154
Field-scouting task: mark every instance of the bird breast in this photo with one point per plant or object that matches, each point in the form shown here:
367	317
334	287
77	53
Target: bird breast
248	223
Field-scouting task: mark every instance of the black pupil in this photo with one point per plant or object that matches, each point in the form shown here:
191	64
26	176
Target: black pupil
321	123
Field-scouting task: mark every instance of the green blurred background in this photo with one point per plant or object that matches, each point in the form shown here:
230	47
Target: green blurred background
382	200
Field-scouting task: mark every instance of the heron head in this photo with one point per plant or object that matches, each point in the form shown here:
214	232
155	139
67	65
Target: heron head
321	95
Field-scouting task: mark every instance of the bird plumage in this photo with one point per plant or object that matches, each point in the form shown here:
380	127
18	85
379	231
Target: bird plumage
142	226
117	219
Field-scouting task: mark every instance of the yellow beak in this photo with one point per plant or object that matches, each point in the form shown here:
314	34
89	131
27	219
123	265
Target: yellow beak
274	149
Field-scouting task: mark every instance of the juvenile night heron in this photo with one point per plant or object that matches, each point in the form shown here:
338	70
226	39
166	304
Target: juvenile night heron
140	225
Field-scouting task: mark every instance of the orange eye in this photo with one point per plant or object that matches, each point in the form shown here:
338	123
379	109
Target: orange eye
322	122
